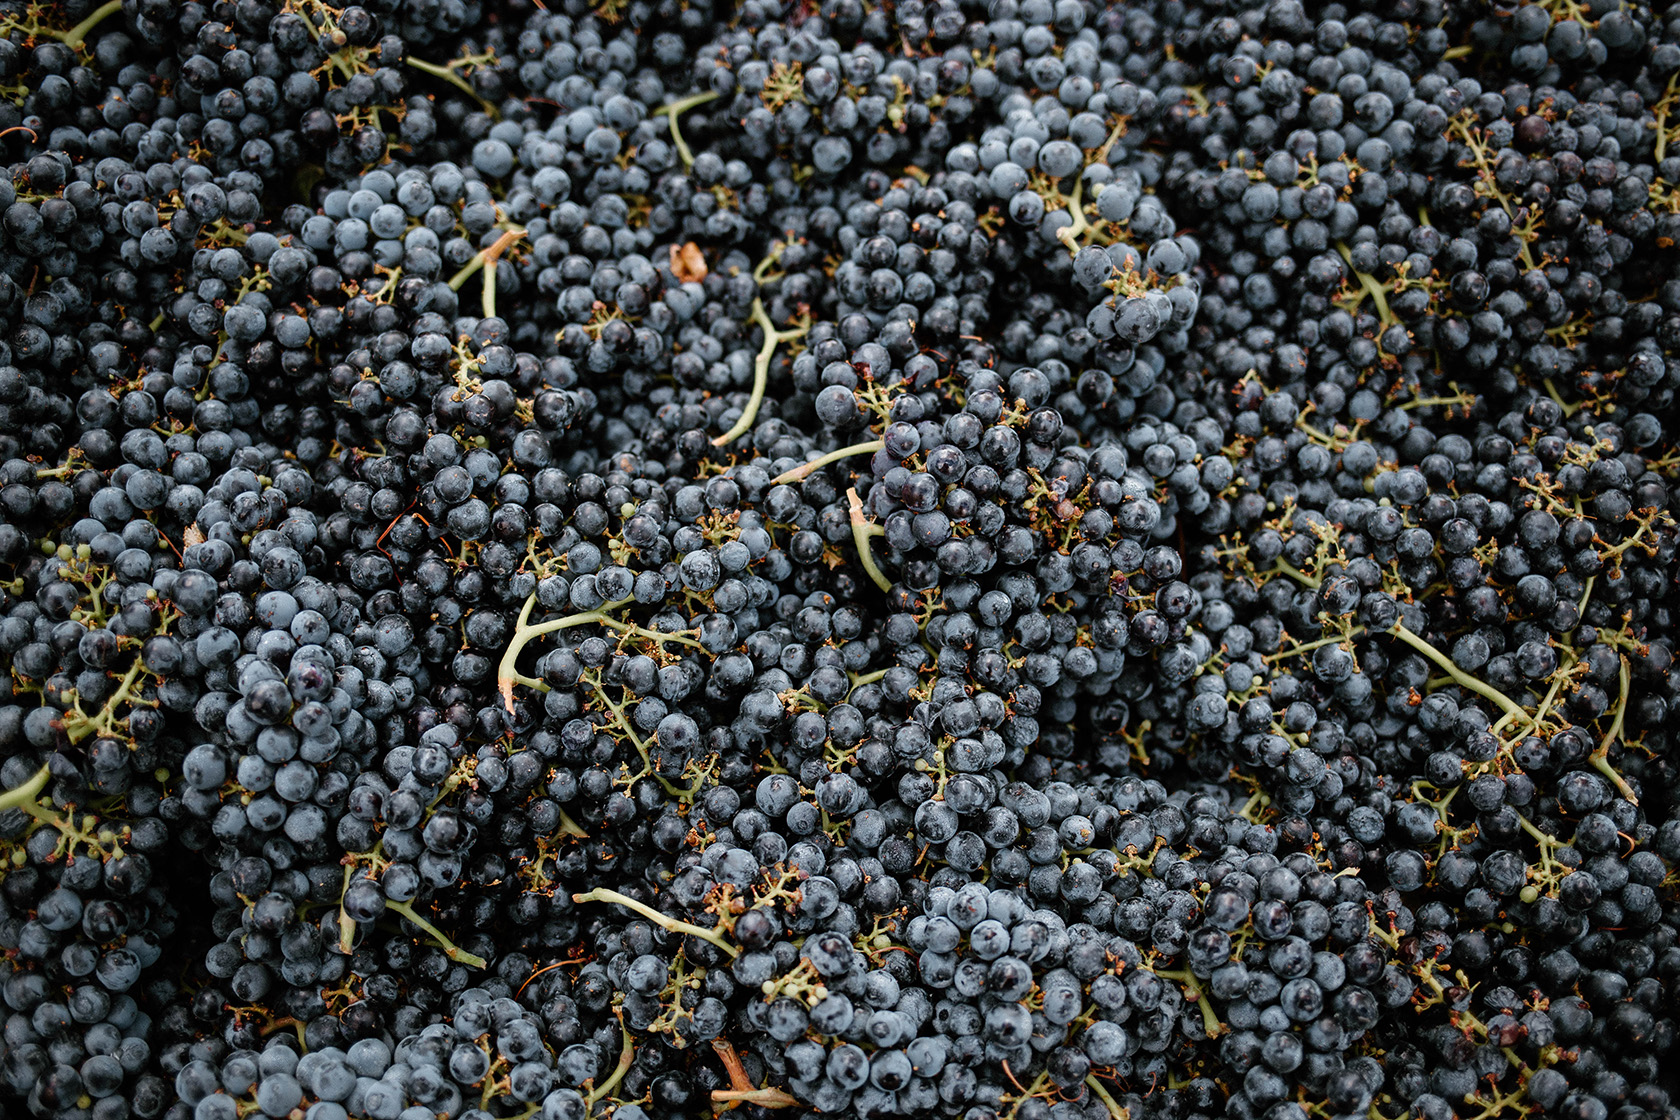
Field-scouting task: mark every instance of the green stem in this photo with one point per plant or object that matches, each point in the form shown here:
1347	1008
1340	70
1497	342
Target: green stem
1115	1108
507	675
664	921
653	635
489	299
74	37
861	532
483	257
867	678
1304	647
1296	574
1459	677
676	109
869	447
455	952
1370	286
78	725
1547	843
1118	131
1069	234
761	372
624	724
450	75
1193	990
466	272
26	795
1601	757
1551	390
626	1057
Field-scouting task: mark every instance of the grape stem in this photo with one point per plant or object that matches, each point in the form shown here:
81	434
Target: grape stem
489	298
454	951
1514	711
487	255
1069	234
453	77
676	109
26	794
664	921
78	34
78	725
1193	989
1115	1108
1369	285
626	1057
764	1098
761	371
1601	757
1306	647
868	447
346	924
862	530
741	1089
1286	568
1461	678
507	672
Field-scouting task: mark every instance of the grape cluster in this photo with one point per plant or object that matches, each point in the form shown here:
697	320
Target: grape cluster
1017	560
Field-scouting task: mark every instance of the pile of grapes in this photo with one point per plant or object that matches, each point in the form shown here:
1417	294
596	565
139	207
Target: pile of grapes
992	559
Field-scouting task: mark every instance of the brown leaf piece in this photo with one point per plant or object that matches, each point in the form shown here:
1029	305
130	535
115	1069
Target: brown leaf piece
688	264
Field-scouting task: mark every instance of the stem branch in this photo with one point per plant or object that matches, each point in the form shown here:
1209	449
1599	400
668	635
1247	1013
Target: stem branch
485	256
626	1058
1115	1108
453	77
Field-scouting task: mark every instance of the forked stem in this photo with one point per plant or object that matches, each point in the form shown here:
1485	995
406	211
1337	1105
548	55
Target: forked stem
761	372
507	672
1195	989
1601	756
741	1089
1368	284
453	77
1307	647
862	530
674	110
485	256
1459	676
